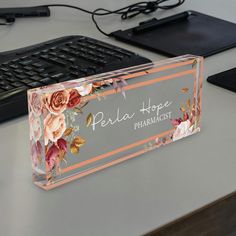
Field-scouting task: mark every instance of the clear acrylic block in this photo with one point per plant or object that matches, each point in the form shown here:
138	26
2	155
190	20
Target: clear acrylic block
82	126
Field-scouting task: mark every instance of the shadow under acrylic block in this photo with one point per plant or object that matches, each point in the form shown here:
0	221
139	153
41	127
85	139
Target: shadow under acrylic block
82	126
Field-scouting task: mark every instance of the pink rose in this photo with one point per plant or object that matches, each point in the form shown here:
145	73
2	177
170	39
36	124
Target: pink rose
176	122
54	127
35	103
56	102
35	127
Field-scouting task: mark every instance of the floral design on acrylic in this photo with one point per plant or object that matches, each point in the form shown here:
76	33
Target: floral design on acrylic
50	112
61	106
189	122
51	118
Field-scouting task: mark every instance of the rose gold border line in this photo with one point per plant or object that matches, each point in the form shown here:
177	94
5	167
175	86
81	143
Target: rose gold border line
144	83
101	167
154	70
144	71
111	153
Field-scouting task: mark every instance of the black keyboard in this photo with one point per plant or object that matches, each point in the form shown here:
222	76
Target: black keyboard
55	61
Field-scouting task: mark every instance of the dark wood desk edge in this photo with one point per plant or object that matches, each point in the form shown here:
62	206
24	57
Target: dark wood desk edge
215	219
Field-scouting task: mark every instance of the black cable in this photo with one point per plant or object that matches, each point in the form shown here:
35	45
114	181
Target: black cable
130	11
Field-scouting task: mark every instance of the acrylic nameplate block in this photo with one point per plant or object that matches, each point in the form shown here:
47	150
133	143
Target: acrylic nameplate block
82	126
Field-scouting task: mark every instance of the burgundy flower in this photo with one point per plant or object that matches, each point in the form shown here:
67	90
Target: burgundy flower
61	143
74	98
51	155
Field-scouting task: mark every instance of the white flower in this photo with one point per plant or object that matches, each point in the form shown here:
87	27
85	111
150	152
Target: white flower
183	129
84	89
35	127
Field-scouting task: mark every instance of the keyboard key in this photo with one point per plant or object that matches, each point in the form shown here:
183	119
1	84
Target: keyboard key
53	53
17	84
21	77
71	59
28	68
11	79
13	66
44	57
35	84
25	62
45	50
36	53
58	61
30	73
26	81
47	81
3	82
6	87
4	69
65	49
18	71
44	75
56	75
8	74
36	77
40	69
37	65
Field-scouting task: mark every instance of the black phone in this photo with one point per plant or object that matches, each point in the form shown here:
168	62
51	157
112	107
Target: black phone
225	79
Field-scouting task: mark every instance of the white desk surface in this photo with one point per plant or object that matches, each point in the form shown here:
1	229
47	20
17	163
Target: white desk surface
134	197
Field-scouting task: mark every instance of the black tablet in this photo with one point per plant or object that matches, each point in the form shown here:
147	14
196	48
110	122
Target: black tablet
197	34
225	79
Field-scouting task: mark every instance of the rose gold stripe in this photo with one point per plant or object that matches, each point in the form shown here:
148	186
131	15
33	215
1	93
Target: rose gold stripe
111	163
151	71
144	83
78	176
122	149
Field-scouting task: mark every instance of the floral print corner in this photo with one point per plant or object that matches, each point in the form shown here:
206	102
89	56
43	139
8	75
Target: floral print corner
51	117
187	124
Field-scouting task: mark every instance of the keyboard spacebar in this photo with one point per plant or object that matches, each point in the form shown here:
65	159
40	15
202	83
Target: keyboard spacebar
9	94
